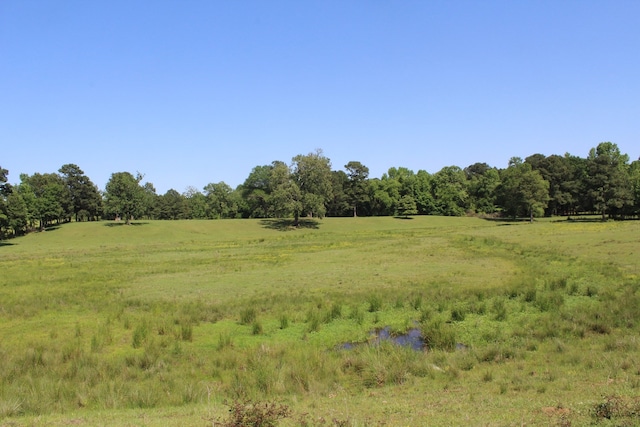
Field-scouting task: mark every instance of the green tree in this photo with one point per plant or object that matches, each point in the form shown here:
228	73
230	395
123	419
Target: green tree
357	193
196	204
86	202
339	204
4	193
124	197
256	191
150	200
422	193
634	175
523	191
608	181
560	174
284	193
171	205
220	200
52	198
482	181
384	195
407	206
311	174
449	189
17	213
29	199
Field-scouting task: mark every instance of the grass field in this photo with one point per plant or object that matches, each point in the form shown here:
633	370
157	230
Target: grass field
162	322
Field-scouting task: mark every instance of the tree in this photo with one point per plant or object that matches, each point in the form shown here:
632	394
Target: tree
523	191
17	213
124	197
339	204
4	193
609	186
449	188
52	198
482	181
634	174
171	205
357	174
28	197
86	201
196	204
284	193
311	173
150	200
256	190
220	200
407	206
422	193
384	195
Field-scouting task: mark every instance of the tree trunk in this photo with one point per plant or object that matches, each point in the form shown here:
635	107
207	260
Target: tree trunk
355	214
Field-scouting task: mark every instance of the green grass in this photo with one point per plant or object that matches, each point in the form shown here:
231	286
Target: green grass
160	322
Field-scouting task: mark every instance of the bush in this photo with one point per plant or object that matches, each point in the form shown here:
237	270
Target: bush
255	414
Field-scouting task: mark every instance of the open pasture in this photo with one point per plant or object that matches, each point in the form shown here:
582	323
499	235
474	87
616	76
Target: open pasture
160	322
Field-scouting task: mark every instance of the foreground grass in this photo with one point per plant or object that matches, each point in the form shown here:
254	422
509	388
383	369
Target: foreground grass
161	322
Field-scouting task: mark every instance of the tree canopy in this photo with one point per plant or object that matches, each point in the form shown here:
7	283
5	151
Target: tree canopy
603	182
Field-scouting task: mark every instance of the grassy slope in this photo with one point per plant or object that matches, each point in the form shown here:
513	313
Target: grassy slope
543	314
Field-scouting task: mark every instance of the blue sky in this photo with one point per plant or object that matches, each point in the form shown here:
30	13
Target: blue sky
194	92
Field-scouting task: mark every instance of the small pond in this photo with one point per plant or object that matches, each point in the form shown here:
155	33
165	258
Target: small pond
412	339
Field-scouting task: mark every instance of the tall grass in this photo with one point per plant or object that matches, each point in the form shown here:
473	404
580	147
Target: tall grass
157	315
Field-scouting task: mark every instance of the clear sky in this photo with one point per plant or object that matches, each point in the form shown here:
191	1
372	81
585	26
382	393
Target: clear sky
190	92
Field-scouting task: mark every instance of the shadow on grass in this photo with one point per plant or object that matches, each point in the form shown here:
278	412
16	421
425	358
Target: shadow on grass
288	224
508	221
118	224
3	243
593	218
403	217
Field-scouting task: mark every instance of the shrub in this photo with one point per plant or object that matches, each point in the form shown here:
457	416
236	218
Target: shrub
255	414
617	407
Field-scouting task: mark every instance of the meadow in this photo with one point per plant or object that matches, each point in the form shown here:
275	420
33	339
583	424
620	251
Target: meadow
171	322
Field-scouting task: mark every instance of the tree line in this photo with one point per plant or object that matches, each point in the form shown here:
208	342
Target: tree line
605	183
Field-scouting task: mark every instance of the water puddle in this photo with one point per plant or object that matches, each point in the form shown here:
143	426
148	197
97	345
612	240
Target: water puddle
411	339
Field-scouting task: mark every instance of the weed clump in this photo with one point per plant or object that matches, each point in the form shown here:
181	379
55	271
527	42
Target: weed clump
617	408
247	316
255	414
375	303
